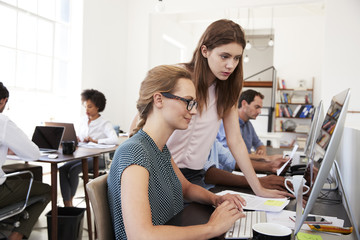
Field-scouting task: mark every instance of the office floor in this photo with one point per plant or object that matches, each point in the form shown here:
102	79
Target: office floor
40	229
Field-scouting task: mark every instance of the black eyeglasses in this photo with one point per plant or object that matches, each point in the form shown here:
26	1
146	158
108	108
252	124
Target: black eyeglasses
190	103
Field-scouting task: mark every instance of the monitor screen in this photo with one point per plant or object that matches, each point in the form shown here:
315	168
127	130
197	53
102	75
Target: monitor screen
325	147
314	129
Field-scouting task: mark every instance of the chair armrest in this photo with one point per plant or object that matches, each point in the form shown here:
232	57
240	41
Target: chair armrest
21	208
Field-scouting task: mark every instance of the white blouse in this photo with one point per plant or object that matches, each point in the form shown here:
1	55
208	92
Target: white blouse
100	129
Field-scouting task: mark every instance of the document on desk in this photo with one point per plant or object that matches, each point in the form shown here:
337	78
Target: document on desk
12	157
283	218
259	203
241	174
95	145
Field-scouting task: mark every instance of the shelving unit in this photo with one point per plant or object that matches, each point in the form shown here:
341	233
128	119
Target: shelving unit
267	110
293	110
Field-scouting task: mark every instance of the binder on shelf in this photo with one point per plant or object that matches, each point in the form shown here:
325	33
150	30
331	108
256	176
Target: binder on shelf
305	111
300	111
298	107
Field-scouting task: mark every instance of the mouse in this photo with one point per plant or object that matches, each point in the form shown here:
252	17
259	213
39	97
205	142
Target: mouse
53	155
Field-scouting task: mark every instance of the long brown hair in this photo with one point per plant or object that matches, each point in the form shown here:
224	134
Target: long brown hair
227	92
159	79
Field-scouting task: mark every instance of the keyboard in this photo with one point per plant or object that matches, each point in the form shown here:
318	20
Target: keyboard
242	228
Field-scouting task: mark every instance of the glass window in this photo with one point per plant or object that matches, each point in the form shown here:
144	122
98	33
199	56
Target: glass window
46	8
27	32
61	42
7	63
35	58
44	73
45	37
63	10
26	70
28	5
7	26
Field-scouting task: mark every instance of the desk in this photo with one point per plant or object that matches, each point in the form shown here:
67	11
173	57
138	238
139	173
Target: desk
196	213
83	154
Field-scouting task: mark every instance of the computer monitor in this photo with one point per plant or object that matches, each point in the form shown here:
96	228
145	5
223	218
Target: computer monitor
326	147
314	129
301	158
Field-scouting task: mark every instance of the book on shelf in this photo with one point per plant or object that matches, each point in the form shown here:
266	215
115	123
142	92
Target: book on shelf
280	84
286	111
281	126
289	110
307	99
323	140
336	114
326	124
285	98
281	114
331	129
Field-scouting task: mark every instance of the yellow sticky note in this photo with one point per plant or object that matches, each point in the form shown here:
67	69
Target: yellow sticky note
275	203
307	236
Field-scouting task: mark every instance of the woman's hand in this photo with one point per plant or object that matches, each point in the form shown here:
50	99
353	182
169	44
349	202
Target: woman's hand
224	217
89	139
272	193
235	199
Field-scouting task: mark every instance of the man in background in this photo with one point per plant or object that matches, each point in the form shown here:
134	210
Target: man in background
249	107
14	141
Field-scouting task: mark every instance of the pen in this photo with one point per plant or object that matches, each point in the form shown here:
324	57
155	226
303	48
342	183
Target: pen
329	228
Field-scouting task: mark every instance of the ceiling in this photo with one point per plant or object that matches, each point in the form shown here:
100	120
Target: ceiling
245	12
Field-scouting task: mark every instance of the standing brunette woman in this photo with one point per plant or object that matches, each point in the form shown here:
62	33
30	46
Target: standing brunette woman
217	73
145	187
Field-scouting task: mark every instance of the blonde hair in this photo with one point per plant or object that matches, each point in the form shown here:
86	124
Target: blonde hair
162	78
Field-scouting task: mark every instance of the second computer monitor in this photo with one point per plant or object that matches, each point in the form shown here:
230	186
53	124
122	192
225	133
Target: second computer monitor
326	146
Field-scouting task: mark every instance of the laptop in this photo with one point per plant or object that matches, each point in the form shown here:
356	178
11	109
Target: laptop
69	134
48	138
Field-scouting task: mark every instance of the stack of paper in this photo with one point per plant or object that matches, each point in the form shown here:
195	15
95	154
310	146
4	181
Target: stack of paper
259	203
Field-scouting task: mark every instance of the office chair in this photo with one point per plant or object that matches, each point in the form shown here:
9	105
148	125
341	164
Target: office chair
18	207
97	192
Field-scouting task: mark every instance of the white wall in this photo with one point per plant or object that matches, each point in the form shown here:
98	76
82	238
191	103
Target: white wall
105	45
117	46
298	50
163	51
341	64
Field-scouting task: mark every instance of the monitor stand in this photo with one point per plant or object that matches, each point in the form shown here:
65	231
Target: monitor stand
347	204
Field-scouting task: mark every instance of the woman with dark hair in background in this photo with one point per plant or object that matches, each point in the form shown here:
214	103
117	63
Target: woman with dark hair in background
93	128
